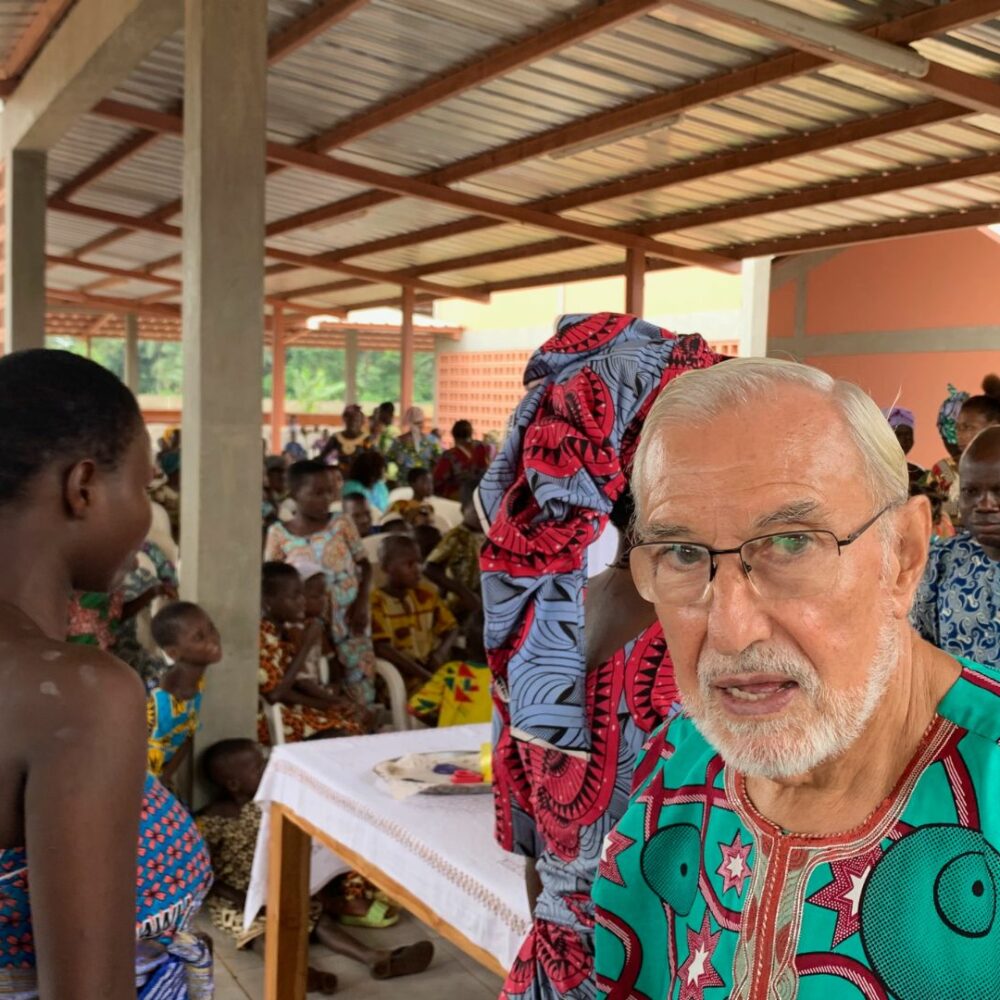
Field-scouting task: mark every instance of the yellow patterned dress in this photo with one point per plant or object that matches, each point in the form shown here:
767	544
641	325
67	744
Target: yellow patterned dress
170	723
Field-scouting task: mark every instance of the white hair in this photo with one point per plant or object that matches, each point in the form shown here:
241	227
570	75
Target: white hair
697	396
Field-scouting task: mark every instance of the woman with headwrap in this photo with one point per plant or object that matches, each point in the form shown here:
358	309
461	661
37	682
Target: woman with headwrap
581	670
414	449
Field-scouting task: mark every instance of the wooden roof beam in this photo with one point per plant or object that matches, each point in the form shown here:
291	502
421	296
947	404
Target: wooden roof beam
727	84
303	30
504	58
45	21
147	225
917	225
943	82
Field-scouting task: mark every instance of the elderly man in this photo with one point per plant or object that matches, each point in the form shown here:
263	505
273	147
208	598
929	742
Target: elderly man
815	824
958	604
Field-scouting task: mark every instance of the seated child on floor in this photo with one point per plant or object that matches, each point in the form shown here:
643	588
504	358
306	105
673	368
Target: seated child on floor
308	709
190	640
230	825
411	626
453	566
459	692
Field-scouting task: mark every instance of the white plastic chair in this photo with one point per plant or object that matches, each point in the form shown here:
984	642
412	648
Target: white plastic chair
275	724
399	493
448	513
396	688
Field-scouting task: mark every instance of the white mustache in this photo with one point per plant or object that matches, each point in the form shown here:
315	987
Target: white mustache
712	667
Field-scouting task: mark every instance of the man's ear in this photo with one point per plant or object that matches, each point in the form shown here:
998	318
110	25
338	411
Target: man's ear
913	534
78	487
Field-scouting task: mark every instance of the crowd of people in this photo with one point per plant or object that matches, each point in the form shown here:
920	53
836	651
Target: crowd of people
837	676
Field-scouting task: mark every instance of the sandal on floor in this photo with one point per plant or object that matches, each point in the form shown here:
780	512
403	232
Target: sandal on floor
380	914
318	981
404	961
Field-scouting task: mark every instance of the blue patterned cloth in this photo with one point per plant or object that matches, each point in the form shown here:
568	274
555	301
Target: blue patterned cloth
958	603
547	497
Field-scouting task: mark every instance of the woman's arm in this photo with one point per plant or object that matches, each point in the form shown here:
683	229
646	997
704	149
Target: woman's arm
282	690
82	800
359	611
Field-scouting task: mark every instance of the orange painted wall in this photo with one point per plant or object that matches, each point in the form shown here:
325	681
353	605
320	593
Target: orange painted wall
920	381
943	280
948	282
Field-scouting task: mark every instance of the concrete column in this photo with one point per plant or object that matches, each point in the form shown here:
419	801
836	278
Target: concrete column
278	385
754	305
351	367
132	352
225	52
635	282
407	354
24	246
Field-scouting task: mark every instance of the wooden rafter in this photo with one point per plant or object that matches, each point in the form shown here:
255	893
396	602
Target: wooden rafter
45	21
852	235
310	26
166	229
725	85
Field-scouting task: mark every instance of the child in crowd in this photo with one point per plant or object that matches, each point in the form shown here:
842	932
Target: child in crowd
427	538
459	692
453	566
230	826
417	510
332	540
308	710
411	626
355	506
190	640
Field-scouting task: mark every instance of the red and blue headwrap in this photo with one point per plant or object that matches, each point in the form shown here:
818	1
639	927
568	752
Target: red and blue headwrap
547	497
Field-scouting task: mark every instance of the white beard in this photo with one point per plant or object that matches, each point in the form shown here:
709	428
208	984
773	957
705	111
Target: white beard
803	739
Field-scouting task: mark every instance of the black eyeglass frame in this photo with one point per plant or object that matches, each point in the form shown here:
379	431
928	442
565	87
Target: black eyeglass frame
713	554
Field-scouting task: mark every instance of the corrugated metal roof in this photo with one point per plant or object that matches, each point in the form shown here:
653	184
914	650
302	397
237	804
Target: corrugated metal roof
15	16
388	48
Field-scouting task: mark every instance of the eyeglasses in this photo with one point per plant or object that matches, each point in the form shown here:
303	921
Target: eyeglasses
782	566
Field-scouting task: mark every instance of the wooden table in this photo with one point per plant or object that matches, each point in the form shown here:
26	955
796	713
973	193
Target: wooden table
325	811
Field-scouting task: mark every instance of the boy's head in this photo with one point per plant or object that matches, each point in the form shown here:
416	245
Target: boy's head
310	487
185	633
355	506
467	498
234	767
399	557
275	474
461	431
420	481
427	538
283	597
313	578
336	479
475	648
354	420
368	468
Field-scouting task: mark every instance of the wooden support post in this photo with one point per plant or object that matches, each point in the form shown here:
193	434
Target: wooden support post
351	367
287	940
406	361
24	246
278	388
635	282
132	352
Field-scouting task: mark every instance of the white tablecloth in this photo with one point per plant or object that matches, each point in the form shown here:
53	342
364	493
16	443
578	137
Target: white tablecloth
441	848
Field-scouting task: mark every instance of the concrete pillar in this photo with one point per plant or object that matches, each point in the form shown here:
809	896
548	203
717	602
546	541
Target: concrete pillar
24	246
225	52
278	386
635	282
407	354
754	304
132	352
351	367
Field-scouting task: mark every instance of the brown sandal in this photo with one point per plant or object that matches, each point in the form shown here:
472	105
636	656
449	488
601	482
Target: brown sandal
405	961
318	981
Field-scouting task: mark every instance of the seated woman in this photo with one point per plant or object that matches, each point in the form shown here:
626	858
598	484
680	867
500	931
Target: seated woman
117	869
308	710
367	478
465	462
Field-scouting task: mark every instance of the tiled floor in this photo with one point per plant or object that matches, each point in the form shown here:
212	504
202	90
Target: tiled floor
239	975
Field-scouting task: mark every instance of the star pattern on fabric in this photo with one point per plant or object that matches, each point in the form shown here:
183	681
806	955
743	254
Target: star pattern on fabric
614	844
697	973
734	868
843	894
